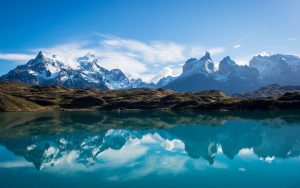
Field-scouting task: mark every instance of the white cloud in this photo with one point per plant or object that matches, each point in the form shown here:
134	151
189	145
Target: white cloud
216	51
242	62
196	51
269	159
128	153
243	59
156	51
167	71
134	57
246	151
220	165
237	46
16	57
68	52
242	169
123	61
15	164
292	38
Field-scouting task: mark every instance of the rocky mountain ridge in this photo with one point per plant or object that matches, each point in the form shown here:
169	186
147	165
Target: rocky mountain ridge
198	74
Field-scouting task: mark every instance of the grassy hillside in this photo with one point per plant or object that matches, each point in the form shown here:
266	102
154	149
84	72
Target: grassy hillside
19	97
11	103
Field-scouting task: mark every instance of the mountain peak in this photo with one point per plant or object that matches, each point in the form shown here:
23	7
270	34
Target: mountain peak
227	58
204	65
88	58
228	61
206	57
41	55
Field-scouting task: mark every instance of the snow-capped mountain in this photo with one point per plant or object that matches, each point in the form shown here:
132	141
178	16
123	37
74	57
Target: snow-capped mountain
45	70
236	78
197	74
228	69
86	72
139	83
204	65
278	69
227	66
201	74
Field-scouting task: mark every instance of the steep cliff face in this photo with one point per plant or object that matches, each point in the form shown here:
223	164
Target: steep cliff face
201	75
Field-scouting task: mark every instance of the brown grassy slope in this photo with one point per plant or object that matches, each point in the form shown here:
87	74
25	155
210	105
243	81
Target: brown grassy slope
54	97
18	97
15	104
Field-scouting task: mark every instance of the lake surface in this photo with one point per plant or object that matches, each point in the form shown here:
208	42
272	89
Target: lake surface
150	149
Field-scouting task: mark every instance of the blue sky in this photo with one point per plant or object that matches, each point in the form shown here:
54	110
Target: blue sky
145	37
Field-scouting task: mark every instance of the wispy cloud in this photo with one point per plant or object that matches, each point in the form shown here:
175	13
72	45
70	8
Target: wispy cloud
15	164
15	57
242	62
237	46
138	58
167	71
216	51
110	59
292	38
156	51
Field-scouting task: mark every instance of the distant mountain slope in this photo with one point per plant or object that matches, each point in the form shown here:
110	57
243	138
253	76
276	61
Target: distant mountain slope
271	91
277	69
164	81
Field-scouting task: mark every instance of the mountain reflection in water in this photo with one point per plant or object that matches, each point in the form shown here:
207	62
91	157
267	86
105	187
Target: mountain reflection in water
143	143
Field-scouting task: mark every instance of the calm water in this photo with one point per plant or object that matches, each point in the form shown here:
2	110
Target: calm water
150	149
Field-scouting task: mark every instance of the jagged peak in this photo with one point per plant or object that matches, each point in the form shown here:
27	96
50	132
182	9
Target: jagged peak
206	57
191	60
40	55
90	55
118	72
89	59
228	60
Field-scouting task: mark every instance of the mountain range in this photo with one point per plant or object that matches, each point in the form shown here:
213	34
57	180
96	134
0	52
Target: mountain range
201	74
197	75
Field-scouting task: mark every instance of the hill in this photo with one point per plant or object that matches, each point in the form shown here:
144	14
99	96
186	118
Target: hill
19	97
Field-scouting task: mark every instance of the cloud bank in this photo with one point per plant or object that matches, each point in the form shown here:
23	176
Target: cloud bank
147	60
15	57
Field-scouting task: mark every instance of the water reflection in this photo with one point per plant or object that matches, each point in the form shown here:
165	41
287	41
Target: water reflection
141	143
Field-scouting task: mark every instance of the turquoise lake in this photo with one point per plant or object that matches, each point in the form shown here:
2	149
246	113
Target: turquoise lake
150	149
